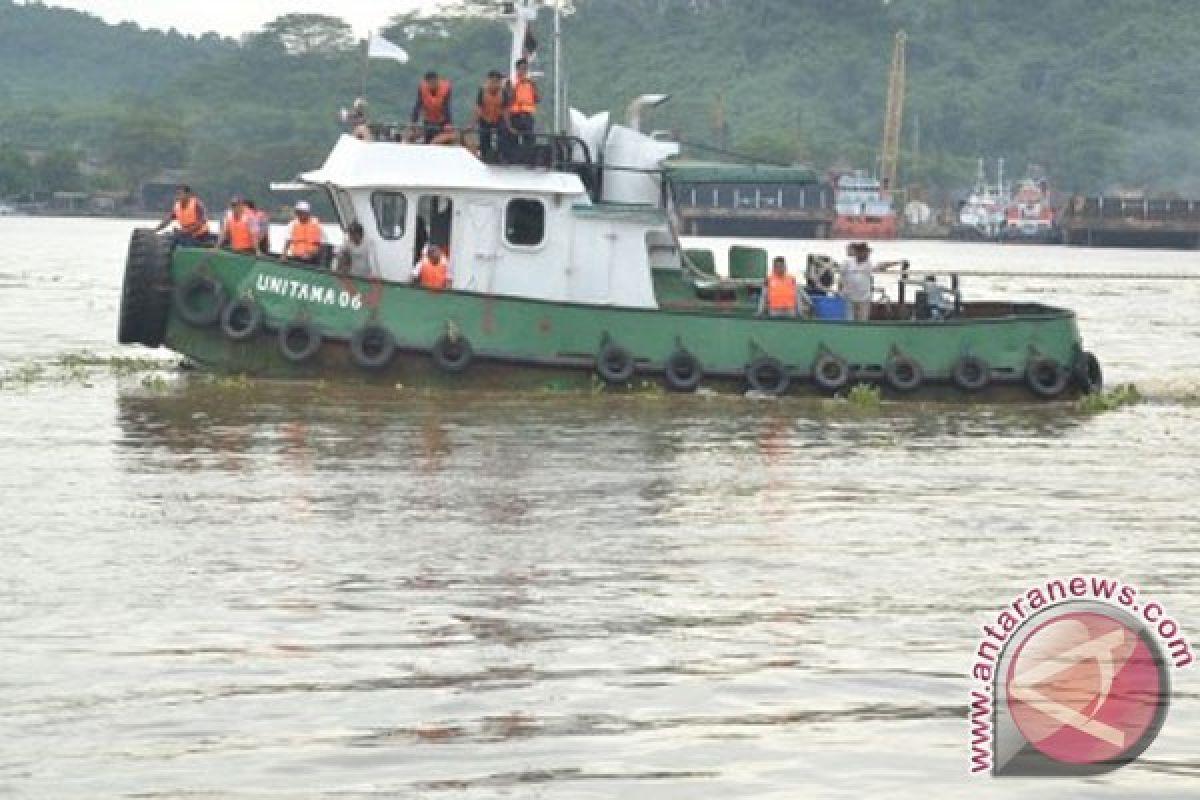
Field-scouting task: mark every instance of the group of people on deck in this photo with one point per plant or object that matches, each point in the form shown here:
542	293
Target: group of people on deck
245	230
503	116
782	297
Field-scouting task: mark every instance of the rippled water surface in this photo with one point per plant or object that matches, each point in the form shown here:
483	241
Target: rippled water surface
221	589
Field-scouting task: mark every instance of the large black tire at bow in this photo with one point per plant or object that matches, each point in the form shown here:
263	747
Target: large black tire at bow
615	365
199	300
299	341
830	373
903	374
145	294
972	374
452	354
1088	375
768	376
242	319
683	372
372	346
1046	377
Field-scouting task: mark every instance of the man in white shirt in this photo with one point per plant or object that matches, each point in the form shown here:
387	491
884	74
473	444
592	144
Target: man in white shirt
356	257
858	281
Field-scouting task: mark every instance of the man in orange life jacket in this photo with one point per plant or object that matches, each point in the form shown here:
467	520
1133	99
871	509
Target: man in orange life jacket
523	101
491	105
188	213
305	237
239	230
433	271
432	109
780	297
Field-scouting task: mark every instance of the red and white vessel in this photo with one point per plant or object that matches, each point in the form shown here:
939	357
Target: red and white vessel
863	209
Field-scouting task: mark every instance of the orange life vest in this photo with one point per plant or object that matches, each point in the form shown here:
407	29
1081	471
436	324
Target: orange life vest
491	105
434	276
191	220
781	293
306	238
524	99
241	232
433	101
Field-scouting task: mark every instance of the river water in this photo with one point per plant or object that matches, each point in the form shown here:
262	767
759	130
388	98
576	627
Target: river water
222	589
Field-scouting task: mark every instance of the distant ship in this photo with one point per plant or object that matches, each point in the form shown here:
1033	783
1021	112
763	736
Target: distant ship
981	217
863	209
1029	216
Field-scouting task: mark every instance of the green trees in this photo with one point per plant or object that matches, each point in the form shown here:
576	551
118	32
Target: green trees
16	172
1097	91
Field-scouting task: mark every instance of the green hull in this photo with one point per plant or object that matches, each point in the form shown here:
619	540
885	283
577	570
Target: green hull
522	343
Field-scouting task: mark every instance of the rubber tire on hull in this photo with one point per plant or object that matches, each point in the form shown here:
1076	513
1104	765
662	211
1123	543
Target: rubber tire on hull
299	341
830	373
904	374
972	374
452	355
1087	373
768	376
1045	377
200	286
615	365
372	347
242	319
145	296
683	372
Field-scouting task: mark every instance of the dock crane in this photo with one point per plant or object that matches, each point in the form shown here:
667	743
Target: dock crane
889	159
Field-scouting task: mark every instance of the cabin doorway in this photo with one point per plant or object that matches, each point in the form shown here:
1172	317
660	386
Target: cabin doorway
483	245
435	220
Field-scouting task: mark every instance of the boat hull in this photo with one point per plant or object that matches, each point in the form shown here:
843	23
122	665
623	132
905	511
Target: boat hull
518	343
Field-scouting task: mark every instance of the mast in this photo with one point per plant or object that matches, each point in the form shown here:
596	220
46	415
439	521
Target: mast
522	13
890	156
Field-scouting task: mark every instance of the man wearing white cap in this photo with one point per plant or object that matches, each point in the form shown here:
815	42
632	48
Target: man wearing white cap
305	237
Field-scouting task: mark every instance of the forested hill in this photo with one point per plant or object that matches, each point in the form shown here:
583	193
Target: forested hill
1098	92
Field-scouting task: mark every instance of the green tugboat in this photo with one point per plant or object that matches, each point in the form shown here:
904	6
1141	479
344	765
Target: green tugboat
564	273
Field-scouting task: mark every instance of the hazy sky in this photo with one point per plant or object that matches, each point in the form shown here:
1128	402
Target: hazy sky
234	17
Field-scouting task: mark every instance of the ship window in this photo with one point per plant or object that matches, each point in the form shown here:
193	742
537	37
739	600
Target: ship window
391	209
525	223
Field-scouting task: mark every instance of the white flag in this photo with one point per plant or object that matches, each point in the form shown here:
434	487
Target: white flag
381	48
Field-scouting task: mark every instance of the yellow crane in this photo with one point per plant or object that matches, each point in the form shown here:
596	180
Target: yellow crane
889	159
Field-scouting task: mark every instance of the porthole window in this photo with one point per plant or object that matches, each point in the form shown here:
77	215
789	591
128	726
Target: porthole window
525	223
390	211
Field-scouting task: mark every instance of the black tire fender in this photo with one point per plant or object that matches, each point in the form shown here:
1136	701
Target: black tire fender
242	319
768	376
145	298
452	354
1045	377
830	373
1087	373
972	374
299	341
903	374
683	372
615	364
210	295
372	346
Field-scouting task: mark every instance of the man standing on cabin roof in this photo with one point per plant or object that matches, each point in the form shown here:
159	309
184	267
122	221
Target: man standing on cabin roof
858	279
305	237
522	108
491	106
239	229
432	109
780	297
433	271
189	214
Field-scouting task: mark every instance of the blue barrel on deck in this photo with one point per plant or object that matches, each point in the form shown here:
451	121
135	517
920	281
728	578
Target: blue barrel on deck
829	307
